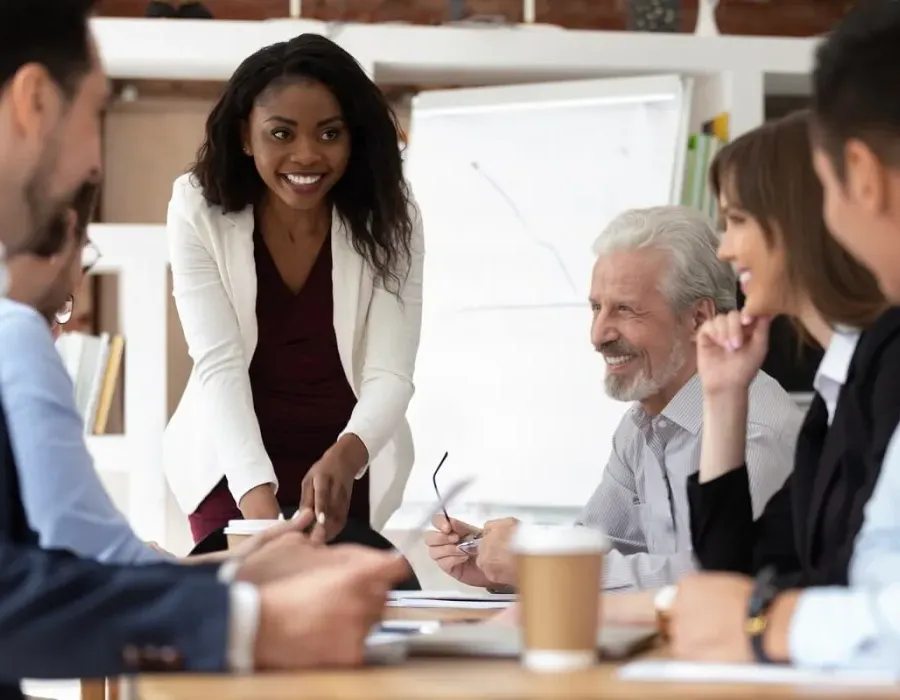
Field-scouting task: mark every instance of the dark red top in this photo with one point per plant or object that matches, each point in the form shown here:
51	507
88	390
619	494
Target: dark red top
300	392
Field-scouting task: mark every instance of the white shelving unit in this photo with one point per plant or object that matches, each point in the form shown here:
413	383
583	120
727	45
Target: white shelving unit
734	73
731	73
139	255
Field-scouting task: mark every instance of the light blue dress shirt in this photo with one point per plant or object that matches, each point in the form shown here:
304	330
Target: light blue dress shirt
860	625
65	501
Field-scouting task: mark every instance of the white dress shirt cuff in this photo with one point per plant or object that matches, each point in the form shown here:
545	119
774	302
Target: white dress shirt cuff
243	623
243	619
831	627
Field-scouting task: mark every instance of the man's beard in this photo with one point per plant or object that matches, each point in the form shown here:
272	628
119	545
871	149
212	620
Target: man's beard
45	231
642	386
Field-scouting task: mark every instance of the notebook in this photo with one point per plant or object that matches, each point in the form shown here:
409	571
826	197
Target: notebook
505	641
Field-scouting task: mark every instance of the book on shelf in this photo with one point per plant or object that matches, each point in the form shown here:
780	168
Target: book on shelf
94	363
702	149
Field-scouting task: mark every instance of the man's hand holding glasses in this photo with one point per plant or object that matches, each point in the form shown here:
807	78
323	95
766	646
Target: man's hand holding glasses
444	546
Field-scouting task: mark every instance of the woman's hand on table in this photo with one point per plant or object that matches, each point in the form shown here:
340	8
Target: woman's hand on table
443	544
328	485
321	618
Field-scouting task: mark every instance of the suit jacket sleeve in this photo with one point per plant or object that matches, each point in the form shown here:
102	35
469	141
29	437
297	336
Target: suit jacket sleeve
392	343
883	411
724	534
65	617
214	344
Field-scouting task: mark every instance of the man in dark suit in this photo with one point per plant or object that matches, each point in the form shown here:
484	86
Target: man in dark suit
64	617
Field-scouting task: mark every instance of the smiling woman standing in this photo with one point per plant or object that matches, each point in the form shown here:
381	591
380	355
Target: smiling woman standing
296	251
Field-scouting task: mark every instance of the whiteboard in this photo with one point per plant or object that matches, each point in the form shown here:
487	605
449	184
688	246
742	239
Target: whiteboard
515	183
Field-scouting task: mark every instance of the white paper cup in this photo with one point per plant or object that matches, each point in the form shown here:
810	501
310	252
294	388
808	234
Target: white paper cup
559	571
239	530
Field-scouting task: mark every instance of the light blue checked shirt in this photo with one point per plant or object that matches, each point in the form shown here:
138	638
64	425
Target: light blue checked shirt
64	499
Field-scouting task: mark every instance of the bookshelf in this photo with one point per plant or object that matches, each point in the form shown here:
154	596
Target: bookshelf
733	73
139	256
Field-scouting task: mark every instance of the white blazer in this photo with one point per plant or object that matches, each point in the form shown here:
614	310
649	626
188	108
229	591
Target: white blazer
214	431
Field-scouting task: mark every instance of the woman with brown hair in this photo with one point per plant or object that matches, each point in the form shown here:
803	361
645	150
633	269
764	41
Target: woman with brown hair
771	204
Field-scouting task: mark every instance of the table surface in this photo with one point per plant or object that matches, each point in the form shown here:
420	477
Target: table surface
487	679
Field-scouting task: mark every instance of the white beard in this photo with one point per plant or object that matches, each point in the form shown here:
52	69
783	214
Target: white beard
643	386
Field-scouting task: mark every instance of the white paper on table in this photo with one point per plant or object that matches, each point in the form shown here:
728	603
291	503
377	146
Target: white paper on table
454	596
454	604
694	672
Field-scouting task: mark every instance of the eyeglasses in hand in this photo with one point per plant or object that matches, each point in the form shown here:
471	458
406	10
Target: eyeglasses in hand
437	491
90	256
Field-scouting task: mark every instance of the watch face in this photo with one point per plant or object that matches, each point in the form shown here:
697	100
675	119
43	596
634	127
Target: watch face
664	598
755	625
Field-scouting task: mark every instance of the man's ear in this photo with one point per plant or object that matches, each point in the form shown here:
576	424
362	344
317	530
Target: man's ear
35	101
866	176
703	311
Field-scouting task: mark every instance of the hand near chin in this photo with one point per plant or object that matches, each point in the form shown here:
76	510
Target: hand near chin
730	350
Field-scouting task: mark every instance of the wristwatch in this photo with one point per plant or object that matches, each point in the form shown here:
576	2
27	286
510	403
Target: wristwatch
761	597
662	603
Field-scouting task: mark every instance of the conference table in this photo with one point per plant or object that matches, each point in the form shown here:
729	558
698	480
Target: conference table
475	679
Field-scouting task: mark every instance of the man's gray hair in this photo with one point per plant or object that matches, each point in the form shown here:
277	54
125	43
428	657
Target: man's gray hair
690	240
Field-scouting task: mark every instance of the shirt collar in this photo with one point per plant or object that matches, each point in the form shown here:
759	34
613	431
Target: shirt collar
685	409
835	362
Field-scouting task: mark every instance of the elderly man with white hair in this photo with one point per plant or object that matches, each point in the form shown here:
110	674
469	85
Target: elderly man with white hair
656	280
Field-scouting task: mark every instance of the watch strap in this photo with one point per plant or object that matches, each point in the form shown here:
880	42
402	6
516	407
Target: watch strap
762	595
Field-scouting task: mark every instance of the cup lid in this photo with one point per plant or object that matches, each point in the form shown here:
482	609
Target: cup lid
248	527
558	539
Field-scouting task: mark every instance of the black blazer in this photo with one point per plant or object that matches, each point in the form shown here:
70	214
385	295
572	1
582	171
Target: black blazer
65	617
808	528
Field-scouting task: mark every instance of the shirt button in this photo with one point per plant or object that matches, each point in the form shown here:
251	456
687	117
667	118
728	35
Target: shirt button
662	424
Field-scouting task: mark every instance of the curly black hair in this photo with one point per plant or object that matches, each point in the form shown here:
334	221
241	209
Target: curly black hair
372	197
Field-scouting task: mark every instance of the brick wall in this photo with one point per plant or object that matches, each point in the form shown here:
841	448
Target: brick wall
770	17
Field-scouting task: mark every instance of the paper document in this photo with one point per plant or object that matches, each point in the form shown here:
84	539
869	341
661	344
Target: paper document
693	672
458	596
454	604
